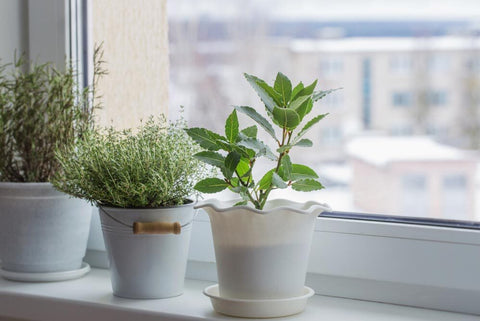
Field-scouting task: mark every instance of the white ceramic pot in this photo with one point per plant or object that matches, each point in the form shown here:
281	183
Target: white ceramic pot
41	229
262	254
146	266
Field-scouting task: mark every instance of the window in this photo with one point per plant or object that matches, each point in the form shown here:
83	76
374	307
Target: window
401	64
331	135
454	195
399	130
402	99
438	63
335	100
370	255
331	67
437	97
414	194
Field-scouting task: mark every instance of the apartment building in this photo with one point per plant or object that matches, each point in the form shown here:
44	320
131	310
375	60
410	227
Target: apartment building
396	86
413	176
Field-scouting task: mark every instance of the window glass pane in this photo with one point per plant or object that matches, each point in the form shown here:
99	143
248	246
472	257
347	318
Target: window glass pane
414	198
401	132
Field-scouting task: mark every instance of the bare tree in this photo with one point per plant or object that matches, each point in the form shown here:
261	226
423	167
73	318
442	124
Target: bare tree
469	116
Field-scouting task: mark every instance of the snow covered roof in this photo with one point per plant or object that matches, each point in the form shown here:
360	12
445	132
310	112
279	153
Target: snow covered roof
384	44
382	150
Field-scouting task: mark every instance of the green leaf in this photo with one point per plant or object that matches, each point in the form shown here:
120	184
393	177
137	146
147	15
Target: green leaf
283	86
211	185
243	168
304	143
278	181
259	147
231	162
253	114
322	93
308	125
298	88
249	132
211	158
309	89
266	180
224	145
302	172
301	143
305	108
287	118
284	148
307	185
295	104
234	181
241	203
243	151
266	93
286	168
231	127
204	137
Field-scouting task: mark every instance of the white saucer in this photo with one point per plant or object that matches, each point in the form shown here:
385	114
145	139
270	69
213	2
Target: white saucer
46	277
268	308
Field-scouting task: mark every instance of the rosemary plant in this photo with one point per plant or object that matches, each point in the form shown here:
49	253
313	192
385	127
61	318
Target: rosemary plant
151	167
41	109
286	107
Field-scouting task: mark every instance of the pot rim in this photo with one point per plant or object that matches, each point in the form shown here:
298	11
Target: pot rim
286	204
128	209
25	184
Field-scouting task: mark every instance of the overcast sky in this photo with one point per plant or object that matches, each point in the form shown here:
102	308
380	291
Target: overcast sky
331	9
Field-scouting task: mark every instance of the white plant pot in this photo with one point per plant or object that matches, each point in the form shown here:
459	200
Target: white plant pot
41	229
262	254
146	266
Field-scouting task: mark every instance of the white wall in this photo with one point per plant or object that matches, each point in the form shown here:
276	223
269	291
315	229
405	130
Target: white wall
13	28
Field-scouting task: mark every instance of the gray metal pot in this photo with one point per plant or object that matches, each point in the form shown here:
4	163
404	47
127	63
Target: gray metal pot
41	229
147	262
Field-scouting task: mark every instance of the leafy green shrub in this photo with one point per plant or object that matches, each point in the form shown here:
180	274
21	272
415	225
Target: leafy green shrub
149	168
41	108
286	107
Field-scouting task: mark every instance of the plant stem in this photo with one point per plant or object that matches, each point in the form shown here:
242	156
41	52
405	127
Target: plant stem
264	195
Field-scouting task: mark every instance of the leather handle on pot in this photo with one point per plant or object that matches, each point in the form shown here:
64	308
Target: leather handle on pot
157	228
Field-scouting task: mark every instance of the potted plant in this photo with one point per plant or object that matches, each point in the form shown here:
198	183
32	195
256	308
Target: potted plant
141	182
262	246
43	232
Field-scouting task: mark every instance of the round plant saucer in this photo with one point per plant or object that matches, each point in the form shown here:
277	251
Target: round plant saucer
264	308
46	276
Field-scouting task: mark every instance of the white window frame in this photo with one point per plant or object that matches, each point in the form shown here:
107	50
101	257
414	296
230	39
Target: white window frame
418	265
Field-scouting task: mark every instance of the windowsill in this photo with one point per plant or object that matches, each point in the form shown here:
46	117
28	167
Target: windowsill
90	298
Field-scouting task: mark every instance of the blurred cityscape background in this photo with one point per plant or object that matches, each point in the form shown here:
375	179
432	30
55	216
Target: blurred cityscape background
402	136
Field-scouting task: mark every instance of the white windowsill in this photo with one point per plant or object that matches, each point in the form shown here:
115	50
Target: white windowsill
90	298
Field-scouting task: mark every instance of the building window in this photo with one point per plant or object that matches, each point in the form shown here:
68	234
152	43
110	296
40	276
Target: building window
331	135
334	100
332	66
454	196
401	64
414	195
437	98
437	130
366	93
401	130
438	63
402	99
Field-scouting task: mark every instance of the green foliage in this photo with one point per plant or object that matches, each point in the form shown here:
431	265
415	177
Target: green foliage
41	108
287	108
151	167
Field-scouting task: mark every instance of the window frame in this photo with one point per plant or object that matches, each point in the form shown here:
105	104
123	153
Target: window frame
399	260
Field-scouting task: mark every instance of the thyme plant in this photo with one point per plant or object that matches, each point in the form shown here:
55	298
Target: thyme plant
286	107
41	109
151	167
